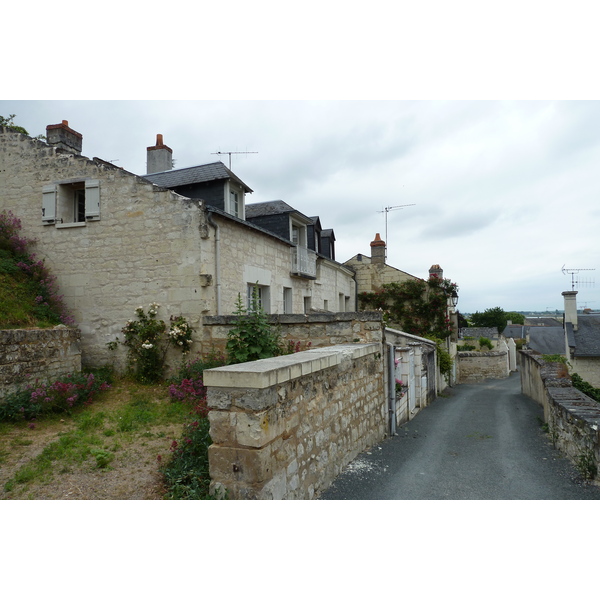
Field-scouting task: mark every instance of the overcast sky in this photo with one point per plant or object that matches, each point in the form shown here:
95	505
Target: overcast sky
504	193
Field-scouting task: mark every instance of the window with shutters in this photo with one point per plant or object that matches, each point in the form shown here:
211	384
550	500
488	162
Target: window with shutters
72	203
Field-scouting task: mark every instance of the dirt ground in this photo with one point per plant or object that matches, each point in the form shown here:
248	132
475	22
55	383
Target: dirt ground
132	474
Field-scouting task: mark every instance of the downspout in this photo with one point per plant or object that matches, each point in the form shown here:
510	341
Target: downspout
392	387
217	261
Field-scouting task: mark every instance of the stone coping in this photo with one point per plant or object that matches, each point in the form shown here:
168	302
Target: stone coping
300	318
267	372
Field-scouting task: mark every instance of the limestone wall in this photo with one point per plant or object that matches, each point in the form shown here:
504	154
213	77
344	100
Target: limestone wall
477	366
285	427
30	354
318	329
144	248
573	418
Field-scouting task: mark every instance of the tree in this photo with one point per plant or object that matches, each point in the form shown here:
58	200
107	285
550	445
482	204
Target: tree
515	318
8	122
495	317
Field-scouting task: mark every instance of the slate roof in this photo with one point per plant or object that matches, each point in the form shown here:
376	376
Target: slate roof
477	332
263	209
516	331
190	175
274	207
543	321
547	340
587	337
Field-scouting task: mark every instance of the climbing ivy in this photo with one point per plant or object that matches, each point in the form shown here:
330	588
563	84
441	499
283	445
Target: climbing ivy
417	307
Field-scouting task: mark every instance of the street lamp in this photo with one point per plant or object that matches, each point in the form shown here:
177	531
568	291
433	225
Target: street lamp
454	298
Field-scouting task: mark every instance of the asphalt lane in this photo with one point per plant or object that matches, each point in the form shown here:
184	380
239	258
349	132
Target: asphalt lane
477	442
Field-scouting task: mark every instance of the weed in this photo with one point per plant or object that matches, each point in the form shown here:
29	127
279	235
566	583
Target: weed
103	457
586	464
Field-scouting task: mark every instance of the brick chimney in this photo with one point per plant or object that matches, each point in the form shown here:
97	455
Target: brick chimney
378	251
159	157
437	271
571	308
62	136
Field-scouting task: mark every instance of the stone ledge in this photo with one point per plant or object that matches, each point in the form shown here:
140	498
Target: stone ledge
261	374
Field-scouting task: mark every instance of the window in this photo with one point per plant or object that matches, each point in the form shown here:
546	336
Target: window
234	201
287	301
263	297
74	202
298	234
307	304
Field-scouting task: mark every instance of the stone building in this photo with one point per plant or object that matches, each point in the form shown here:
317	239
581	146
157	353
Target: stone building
179	237
582	340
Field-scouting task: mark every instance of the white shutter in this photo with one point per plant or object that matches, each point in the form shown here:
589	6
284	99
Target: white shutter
92	200
48	204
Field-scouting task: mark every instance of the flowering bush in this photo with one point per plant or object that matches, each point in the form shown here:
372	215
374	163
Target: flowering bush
147	345
61	396
16	256
417	307
180	334
188	386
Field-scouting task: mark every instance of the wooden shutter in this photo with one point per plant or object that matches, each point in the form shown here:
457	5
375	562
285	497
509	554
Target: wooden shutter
92	200
48	204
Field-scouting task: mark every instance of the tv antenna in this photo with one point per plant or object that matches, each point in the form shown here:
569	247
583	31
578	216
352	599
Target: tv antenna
230	153
386	210
575	280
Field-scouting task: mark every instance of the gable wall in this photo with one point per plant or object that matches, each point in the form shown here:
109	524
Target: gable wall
145	248
370	277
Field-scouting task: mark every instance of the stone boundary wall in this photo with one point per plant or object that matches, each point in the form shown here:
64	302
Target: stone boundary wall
573	418
285	427
320	329
478	366
30	354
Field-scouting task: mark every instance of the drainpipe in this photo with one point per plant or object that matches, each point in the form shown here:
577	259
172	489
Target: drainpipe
217	261
392	387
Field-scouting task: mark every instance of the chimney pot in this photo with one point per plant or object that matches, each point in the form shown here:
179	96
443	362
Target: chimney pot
62	136
159	157
571	308
378	250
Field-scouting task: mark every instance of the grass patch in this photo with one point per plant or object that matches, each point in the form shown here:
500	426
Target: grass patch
97	434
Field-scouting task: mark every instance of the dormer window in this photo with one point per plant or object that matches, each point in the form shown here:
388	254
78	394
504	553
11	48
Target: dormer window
234	201
298	233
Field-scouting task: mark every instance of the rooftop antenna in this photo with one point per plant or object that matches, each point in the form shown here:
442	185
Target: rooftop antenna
386	210
230	153
575	280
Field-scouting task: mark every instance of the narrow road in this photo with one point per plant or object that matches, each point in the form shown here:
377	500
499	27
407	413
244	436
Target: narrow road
477	442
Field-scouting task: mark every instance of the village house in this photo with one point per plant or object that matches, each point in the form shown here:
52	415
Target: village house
582	340
179	237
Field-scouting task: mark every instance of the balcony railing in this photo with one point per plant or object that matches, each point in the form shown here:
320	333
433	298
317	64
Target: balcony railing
304	262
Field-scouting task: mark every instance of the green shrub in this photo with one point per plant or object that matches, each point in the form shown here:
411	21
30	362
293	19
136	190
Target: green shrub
251	337
585	387
485	343
466	348
186	474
